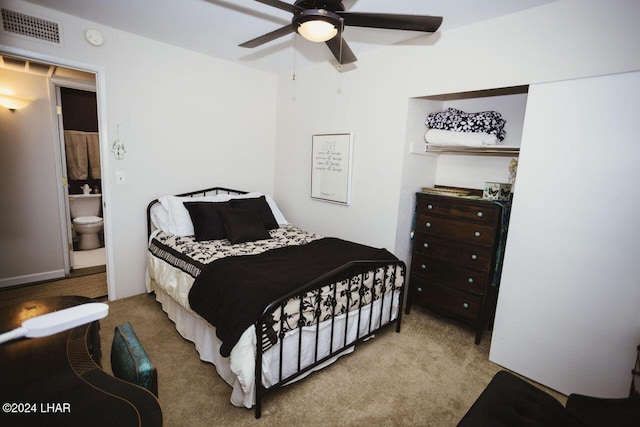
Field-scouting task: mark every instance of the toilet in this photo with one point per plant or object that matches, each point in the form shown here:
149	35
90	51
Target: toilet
84	209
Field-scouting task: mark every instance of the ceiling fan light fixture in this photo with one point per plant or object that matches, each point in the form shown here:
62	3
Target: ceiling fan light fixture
317	25
325	20
317	31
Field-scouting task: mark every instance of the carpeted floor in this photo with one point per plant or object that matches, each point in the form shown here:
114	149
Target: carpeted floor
91	285
427	375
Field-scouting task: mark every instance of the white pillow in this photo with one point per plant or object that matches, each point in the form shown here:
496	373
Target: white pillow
172	217
160	217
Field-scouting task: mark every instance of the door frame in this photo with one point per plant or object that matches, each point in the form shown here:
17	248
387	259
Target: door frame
100	86
66	228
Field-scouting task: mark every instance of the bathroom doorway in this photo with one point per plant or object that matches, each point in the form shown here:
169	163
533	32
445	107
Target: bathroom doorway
77	120
35	185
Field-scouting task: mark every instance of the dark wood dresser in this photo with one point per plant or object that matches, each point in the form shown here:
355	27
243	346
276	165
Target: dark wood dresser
456	259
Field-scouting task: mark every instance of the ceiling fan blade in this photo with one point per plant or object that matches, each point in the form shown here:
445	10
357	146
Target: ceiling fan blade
280	5
391	21
265	38
341	50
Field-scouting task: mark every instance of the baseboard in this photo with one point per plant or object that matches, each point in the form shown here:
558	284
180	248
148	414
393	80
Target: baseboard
31	278
85	271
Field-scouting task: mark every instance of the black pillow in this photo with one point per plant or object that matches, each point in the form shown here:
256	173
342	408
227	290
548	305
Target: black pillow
260	205
243	225
207	223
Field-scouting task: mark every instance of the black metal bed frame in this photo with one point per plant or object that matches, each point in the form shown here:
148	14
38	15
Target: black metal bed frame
348	272
351	270
205	192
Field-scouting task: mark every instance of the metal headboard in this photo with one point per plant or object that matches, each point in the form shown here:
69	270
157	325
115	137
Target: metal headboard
199	193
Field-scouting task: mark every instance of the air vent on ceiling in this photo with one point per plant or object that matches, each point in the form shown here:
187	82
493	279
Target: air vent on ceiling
31	27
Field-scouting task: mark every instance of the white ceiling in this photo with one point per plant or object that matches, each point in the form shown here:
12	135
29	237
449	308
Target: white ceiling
216	27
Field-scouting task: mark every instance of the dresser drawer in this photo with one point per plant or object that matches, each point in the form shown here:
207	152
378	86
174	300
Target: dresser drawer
455	256
470	256
449	274
469	232
472	210
445	299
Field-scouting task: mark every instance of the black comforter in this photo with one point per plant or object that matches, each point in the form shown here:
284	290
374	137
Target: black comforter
230	293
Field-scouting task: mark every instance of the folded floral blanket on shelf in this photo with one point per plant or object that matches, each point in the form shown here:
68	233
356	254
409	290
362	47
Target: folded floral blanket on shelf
452	119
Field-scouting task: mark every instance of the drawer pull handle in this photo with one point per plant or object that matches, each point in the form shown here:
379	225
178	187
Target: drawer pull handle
470	280
428	225
474	256
465	305
419	289
480	214
477	234
424	267
426	245
429	206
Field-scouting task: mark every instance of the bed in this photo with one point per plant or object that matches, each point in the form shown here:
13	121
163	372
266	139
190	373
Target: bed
284	304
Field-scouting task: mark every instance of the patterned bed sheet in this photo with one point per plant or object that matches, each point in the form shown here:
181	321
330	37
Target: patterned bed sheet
190	257
332	300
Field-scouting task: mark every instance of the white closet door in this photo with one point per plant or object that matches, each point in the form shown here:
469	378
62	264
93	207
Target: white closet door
568	313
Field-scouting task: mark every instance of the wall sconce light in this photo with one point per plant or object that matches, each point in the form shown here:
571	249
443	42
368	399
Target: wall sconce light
117	148
14	103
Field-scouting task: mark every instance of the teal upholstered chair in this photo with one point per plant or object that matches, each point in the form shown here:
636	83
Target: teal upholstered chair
130	362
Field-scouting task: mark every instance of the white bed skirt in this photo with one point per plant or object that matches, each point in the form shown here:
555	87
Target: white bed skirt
238	370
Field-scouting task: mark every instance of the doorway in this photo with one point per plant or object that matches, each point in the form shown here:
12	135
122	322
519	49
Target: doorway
59	83
77	119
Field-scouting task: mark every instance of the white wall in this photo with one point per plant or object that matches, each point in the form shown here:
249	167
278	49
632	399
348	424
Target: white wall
567	39
580	38
30	240
324	101
187	121
571	259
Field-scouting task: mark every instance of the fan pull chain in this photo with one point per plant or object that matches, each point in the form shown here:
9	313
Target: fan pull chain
341	39
295	55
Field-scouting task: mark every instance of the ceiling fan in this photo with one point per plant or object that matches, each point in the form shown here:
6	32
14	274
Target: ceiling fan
324	21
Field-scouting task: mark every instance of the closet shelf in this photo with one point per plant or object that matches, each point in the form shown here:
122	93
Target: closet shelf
496	150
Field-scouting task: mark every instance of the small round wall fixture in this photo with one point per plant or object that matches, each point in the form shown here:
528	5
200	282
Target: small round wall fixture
94	37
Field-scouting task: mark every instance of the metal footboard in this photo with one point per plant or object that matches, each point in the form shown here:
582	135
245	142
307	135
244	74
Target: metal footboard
386	283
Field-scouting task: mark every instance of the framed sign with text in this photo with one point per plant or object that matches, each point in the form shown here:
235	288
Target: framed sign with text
331	167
